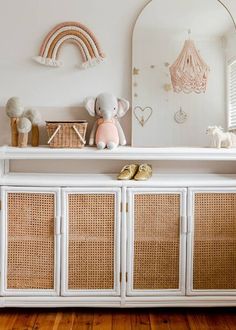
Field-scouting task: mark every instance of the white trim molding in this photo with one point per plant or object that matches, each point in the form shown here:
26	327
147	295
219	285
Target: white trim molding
120	153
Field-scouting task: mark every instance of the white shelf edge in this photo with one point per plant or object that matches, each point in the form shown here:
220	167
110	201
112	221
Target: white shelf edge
120	153
109	180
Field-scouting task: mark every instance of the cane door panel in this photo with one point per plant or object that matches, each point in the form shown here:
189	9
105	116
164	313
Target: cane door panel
212	242
156	242
30	241
91	242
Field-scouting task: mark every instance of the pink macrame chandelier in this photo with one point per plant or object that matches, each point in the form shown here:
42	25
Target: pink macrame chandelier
189	73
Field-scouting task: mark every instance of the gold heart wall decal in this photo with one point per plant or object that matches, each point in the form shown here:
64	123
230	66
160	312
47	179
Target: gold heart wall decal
142	114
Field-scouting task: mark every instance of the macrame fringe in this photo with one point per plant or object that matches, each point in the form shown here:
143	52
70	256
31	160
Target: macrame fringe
93	62
56	63
48	61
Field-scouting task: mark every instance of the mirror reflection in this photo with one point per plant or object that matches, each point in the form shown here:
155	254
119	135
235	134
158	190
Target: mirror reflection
184	72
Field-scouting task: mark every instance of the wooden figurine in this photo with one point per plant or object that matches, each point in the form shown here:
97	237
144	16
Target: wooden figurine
14	110
35	117
24	127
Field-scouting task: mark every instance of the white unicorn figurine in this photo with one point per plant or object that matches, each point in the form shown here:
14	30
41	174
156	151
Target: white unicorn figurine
221	139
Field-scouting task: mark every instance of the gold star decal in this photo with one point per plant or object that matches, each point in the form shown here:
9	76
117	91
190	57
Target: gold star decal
167	87
136	71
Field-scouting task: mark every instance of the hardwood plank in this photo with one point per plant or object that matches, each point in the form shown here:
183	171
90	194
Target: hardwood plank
178	321
7	320
83	320
66	321
230	318
134	319
159	321
45	320
170	319
215	320
140	320
57	321
103	320
197	320
121	321
25	320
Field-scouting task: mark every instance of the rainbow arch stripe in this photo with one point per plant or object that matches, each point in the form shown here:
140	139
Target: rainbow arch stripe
74	32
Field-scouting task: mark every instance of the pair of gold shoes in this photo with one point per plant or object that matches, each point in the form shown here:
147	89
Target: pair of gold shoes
137	172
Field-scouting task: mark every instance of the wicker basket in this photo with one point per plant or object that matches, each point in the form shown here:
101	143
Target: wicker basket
66	134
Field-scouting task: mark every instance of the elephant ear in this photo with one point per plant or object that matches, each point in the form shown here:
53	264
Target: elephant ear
90	106
123	107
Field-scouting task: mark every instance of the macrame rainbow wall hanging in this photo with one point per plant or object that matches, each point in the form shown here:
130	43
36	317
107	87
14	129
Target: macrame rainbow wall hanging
73	32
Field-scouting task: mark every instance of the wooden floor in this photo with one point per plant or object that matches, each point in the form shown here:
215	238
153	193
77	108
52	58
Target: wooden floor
154	319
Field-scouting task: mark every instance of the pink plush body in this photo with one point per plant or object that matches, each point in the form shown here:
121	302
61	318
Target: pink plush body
107	131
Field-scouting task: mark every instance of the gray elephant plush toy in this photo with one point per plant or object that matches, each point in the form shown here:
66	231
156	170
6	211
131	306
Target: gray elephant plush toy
107	131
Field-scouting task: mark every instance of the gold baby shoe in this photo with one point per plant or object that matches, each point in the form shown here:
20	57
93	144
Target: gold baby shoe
128	172
144	172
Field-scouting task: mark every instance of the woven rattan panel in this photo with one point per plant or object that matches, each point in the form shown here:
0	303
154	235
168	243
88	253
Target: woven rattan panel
66	136
156	241
214	247
30	254
91	241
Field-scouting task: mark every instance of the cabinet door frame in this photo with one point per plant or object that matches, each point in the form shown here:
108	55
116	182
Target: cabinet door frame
190	243
130	241
117	246
4	291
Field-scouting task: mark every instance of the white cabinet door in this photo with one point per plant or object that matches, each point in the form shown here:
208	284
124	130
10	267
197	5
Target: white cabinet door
156	251
30	241
212	242
91	242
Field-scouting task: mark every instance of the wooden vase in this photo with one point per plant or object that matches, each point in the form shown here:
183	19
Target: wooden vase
14	132
35	136
22	140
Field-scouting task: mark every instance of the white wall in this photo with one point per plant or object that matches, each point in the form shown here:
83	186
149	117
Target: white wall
24	24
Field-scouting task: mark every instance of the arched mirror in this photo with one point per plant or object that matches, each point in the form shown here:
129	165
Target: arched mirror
184	72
